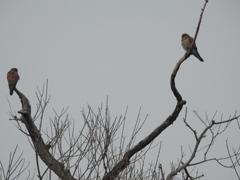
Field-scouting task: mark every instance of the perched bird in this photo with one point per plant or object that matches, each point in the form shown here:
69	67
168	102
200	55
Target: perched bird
12	77
186	44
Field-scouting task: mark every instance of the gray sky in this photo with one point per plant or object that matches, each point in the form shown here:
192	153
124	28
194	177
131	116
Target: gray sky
89	50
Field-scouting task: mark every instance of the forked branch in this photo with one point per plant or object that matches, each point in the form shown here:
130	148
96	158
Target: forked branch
40	147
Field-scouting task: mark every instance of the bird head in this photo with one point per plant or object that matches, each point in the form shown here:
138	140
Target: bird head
185	35
14	69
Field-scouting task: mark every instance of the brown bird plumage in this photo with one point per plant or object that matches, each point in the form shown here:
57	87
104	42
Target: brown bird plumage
12	77
186	44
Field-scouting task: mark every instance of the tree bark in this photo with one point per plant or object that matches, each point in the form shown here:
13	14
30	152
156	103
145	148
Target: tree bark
40	147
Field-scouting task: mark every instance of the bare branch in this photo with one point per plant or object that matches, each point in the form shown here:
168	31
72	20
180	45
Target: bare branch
233	164
37	140
14	166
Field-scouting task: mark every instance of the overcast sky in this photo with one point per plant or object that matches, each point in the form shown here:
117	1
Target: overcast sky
125	50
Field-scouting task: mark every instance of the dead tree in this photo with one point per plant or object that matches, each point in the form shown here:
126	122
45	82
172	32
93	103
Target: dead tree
94	142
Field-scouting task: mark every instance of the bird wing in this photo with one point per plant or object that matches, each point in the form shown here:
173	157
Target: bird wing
191	40
12	77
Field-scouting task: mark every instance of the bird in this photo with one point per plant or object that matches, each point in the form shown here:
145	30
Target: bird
186	44
12	77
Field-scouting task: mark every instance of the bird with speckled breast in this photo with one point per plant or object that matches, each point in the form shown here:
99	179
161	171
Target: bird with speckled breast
186	44
12	77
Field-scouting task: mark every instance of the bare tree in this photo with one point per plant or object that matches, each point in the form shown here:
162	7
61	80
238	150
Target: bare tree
98	149
15	167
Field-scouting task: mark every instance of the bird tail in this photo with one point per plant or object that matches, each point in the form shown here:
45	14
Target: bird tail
200	58
197	55
11	88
